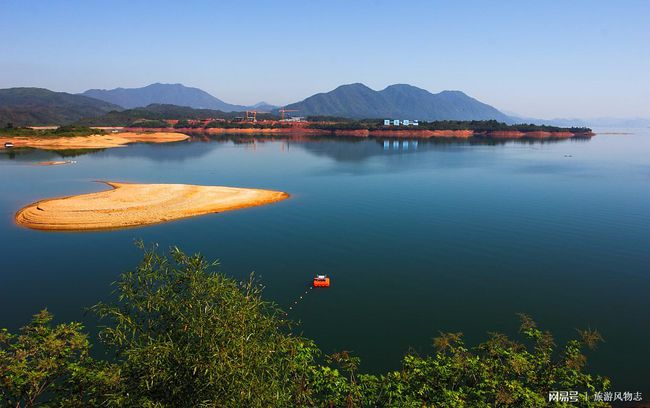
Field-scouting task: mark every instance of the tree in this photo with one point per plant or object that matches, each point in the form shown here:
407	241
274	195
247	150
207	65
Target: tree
499	372
187	336
45	365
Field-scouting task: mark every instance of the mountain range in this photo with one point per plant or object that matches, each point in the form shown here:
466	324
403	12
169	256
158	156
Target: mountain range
167	94
30	106
352	101
398	101
38	106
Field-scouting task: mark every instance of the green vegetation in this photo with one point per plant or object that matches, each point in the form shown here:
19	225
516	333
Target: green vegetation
148	123
185	124
475	125
61	131
229	124
346	125
50	366
184	335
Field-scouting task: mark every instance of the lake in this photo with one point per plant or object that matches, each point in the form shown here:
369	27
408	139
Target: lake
418	238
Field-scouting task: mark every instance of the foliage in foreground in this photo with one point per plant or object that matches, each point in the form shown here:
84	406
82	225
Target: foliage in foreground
186	336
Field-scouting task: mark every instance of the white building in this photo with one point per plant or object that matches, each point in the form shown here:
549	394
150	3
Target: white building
397	122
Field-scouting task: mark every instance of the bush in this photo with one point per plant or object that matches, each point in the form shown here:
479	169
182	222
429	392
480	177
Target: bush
187	336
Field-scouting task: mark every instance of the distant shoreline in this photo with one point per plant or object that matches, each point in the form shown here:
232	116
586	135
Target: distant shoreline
382	133
106	138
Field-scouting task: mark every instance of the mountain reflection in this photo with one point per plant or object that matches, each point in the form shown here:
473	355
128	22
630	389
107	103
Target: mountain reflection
340	149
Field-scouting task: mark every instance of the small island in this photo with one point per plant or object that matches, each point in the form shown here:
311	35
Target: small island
131	205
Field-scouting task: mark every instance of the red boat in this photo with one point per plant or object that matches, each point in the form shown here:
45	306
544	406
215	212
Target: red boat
322	281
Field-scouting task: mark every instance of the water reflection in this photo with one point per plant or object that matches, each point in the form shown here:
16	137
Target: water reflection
341	149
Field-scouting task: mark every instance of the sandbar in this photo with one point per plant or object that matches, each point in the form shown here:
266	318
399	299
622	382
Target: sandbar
131	205
54	163
106	141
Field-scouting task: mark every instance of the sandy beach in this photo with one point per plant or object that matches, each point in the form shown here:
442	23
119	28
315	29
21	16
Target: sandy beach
106	141
131	205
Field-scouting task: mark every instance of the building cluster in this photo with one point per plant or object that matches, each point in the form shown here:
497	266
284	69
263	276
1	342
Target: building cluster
398	122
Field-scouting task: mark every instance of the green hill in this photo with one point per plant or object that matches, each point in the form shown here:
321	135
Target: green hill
396	102
37	106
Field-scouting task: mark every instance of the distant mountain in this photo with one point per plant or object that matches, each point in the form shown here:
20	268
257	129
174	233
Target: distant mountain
168	94
38	106
263	106
396	101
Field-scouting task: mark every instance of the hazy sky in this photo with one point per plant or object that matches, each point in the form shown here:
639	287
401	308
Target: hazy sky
543	58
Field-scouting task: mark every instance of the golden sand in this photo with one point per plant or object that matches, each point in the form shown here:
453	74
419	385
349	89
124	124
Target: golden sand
130	205
93	141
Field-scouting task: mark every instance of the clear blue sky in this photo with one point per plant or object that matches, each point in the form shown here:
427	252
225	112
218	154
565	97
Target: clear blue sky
536	58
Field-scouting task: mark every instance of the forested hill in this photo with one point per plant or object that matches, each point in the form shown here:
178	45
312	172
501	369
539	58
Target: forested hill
38	106
396	101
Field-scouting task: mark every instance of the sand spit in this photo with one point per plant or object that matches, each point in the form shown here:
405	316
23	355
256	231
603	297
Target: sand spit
55	163
93	141
131	205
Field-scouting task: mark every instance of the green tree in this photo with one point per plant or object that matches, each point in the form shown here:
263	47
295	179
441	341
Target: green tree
50	366
497	373
187	336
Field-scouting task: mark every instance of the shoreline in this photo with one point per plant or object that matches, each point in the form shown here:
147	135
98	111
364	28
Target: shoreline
376	133
127	205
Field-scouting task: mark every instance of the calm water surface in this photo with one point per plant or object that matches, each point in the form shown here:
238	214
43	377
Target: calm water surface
417	239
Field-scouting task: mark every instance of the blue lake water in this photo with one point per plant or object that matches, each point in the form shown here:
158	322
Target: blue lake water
418	239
